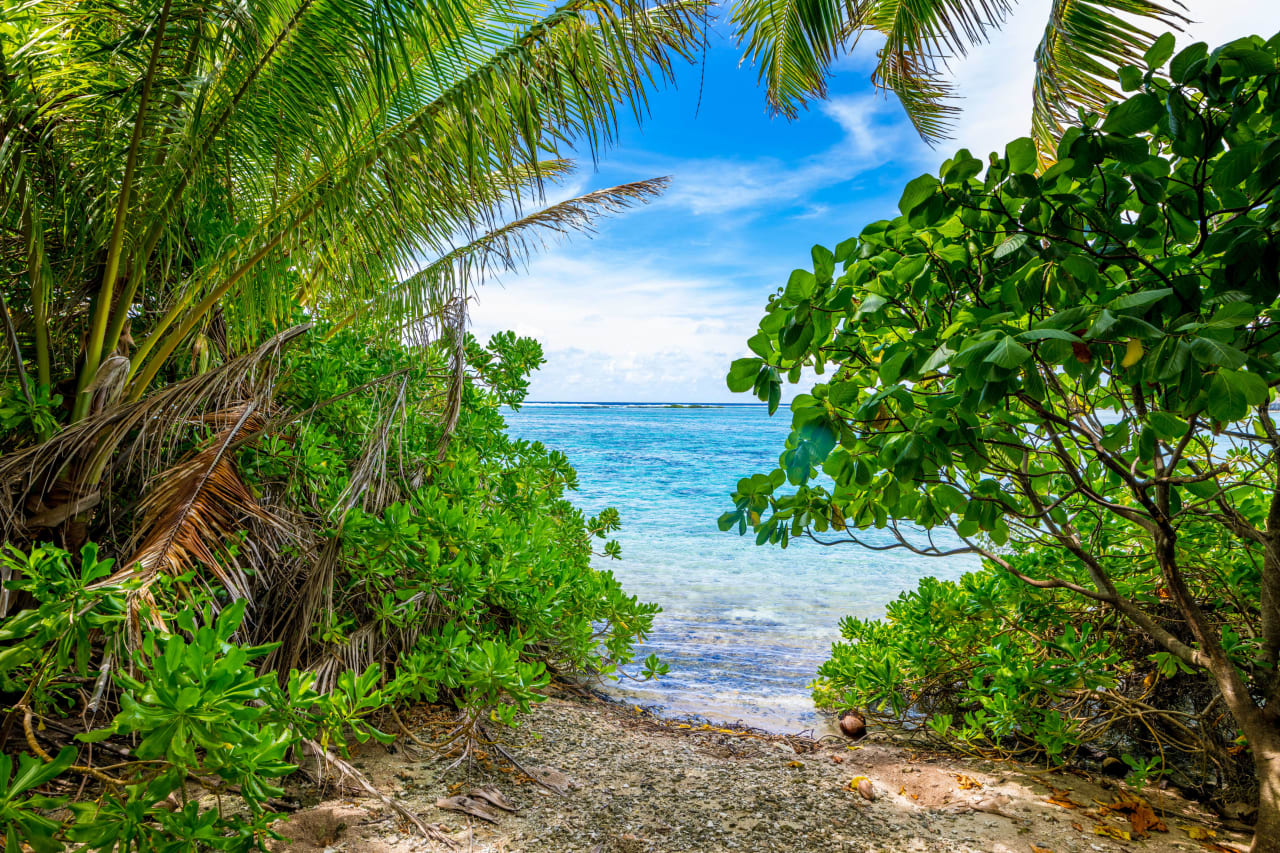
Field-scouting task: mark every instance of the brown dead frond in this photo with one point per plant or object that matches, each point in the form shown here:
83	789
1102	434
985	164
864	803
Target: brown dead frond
137	433
457	378
196	507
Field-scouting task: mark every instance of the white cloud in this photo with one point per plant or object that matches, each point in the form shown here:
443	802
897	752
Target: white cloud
874	132
620	330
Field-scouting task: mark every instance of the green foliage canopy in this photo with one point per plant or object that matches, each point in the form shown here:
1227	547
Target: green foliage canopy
1080	359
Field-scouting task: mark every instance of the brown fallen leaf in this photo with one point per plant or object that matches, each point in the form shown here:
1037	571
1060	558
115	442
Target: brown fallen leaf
1111	831
493	797
1035	848
795	764
1142	818
837	759
1076	826
475	808
967	783
1062	797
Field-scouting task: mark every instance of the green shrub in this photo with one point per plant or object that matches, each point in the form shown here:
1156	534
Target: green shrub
1068	371
382	554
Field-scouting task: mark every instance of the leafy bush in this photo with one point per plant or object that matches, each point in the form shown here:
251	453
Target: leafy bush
1076	364
990	663
371	553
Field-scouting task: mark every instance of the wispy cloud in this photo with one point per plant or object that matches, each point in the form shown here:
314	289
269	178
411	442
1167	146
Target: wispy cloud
873	132
616	326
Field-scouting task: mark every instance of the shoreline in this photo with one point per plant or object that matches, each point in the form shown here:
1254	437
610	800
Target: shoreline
620	780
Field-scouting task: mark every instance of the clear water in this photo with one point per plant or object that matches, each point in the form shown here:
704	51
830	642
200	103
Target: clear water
743	628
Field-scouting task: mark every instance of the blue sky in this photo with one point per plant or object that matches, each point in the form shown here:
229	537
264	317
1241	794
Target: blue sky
657	302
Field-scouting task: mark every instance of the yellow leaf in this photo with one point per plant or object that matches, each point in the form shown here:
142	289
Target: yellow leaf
1199	833
1111	832
1132	353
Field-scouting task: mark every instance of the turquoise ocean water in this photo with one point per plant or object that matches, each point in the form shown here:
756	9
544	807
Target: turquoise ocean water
743	628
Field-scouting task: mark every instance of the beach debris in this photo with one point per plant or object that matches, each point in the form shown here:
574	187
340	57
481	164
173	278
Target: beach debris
852	725
990	804
493	797
1062	797
1112	831
475	808
863	786
551	778
1142	818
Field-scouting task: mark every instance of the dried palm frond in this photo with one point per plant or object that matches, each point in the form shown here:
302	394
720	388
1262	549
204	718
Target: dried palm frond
195	508
301	610
369	485
141	429
457	317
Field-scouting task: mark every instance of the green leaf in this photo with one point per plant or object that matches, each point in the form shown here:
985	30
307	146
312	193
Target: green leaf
1231	169
1167	425
742	374
1008	353
1141	299
1226	400
32	772
1011	244
800	285
1048	334
1187	57
1209	351
1160	51
1253	386
1135	115
824	263
1021	154
917	192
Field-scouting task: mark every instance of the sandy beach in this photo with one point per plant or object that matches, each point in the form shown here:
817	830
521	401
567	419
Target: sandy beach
615	779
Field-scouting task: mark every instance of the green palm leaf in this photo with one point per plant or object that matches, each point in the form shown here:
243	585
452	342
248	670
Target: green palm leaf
1084	44
794	42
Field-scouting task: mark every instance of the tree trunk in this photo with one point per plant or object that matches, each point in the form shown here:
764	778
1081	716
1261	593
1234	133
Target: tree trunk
1266	832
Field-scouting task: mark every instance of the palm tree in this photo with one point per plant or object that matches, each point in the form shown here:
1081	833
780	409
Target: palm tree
180	172
794	43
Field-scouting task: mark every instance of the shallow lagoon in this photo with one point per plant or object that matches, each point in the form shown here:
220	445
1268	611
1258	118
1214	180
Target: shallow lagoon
743	628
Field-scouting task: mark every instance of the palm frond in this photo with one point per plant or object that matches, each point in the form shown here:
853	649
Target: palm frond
198	506
1084	45
795	41
140	431
427	294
